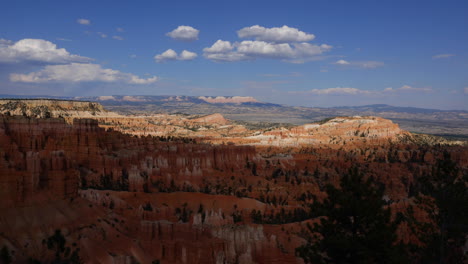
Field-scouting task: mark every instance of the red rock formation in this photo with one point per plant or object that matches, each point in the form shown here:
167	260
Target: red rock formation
122	198
335	132
213	119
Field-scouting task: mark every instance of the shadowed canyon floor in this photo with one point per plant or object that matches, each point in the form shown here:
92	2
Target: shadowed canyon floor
79	184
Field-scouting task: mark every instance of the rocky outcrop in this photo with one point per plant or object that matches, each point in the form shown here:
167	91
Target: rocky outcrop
33	168
213	119
47	108
337	131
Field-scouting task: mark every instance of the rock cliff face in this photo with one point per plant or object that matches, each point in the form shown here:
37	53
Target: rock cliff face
121	198
214	119
33	168
336	131
46	108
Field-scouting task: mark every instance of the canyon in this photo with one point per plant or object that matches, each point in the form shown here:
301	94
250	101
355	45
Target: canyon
85	185
249	111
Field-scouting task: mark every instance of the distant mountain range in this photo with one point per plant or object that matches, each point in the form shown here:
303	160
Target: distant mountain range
229	100
449	123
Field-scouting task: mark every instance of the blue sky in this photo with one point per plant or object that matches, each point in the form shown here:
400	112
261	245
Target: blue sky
309	53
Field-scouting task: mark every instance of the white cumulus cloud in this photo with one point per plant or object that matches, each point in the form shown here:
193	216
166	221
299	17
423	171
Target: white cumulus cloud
265	49
280	43
171	55
83	21
282	34
342	62
36	50
219	46
187	55
252	49
79	72
168	55
184	33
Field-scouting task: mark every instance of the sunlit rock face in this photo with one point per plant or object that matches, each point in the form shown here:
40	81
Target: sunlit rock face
336	131
45	108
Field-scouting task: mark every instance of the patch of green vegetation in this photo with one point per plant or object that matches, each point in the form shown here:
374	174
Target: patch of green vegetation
323	121
453	137
266	126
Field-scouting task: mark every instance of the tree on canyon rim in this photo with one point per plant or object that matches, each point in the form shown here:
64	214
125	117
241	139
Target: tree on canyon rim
444	195
355	226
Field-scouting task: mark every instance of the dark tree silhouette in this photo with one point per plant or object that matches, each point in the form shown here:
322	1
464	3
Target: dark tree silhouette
447	190
355	226
5	257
